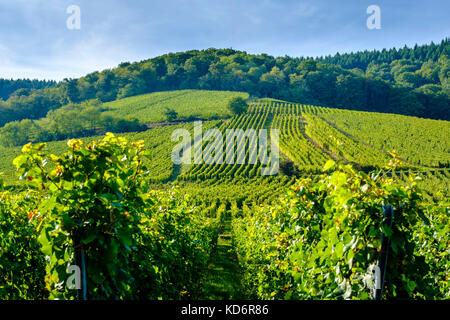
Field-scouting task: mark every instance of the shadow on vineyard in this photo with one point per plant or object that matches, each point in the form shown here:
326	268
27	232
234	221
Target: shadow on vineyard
222	279
175	173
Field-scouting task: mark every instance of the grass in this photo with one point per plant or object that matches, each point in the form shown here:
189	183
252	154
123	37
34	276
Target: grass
150	108
222	280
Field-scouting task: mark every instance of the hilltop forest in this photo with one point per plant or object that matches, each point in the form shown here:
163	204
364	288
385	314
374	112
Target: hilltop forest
409	81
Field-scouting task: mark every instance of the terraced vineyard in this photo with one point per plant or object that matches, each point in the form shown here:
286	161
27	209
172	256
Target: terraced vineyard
235	193
250	167
295	144
422	142
342	146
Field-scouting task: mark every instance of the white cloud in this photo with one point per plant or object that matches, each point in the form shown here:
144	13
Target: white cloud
5	55
66	60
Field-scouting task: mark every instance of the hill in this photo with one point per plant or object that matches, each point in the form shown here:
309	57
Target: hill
407	81
309	136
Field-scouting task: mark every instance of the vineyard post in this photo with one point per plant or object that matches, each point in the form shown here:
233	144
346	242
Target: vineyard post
80	261
388	214
83	274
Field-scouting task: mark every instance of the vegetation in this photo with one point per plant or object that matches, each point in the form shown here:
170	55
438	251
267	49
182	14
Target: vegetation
410	81
171	115
188	104
143	227
71	121
237	105
8	87
92	118
95	210
418	141
295	144
341	145
22	264
157	140
322	240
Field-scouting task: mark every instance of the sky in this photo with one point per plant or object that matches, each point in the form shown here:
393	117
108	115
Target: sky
36	43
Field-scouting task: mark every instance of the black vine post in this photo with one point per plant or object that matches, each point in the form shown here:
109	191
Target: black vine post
388	214
78	264
81	263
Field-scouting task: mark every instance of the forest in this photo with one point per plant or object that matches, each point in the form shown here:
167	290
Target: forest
409	81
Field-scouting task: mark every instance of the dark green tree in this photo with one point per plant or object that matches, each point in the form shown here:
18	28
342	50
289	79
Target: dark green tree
171	115
237	105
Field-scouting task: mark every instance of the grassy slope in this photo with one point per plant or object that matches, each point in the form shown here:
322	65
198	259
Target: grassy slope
187	103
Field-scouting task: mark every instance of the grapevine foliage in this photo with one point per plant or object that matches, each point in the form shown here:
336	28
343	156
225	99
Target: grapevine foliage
95	210
322	241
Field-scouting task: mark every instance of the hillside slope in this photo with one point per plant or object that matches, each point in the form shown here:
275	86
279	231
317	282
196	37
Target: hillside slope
309	136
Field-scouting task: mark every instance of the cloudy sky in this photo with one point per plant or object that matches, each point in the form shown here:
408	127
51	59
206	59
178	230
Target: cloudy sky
36	43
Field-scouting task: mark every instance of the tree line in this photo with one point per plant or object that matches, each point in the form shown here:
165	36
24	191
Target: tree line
70	121
9	86
411	81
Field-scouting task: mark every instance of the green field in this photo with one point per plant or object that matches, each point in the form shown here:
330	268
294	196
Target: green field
150	108
422	142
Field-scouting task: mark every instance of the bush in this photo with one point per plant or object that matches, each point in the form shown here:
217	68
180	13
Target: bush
22	264
237	105
171	115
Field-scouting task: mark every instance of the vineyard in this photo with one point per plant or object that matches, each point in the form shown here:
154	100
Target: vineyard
400	133
142	227
157	140
296	145
255	121
342	146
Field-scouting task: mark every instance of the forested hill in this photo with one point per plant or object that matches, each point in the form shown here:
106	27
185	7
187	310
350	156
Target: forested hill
419	54
407	81
7	87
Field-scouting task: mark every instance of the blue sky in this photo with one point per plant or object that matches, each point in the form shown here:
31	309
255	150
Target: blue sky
35	42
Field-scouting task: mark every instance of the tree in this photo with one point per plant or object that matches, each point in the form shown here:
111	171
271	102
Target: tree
237	105
287	167
70	90
273	81
171	115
